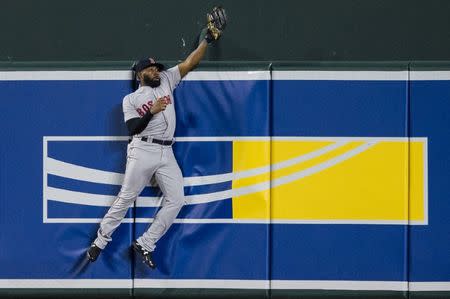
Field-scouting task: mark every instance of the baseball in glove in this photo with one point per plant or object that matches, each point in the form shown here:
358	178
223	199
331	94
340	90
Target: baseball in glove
216	23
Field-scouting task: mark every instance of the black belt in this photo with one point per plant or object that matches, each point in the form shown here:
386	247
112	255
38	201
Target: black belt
158	141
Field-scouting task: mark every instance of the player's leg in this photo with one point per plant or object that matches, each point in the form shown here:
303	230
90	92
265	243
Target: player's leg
139	169
170	180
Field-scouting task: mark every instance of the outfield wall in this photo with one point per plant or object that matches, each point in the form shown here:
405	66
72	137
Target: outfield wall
301	181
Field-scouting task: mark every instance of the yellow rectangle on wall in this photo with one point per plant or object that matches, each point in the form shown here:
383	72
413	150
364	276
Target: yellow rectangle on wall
371	180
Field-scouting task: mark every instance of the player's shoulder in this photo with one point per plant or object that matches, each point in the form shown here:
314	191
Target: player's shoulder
173	70
164	74
133	94
129	97
171	76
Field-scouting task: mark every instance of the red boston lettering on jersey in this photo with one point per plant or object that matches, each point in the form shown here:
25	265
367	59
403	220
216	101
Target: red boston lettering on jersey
146	107
139	110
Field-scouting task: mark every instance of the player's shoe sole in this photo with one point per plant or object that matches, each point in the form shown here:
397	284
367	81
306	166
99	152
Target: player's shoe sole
146	255
93	253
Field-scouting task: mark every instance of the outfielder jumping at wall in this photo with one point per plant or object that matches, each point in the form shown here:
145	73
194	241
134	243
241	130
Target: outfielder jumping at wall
149	114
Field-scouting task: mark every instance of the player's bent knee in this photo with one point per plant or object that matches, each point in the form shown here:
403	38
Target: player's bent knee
127	196
180	201
121	202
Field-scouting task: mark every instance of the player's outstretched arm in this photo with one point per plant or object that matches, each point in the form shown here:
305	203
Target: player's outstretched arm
216	23
193	59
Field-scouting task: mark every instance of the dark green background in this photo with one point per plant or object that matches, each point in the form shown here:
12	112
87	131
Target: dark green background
259	30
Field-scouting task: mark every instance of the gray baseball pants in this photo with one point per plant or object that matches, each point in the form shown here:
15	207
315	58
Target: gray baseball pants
145	159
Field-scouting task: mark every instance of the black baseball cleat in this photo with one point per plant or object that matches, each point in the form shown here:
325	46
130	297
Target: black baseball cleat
93	252
146	255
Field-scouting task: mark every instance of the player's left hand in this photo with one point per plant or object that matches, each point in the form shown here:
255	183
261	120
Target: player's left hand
216	23
159	105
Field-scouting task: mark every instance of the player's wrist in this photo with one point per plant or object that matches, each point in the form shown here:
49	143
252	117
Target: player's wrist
208	37
204	35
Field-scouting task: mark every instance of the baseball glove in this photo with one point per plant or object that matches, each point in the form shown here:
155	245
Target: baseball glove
216	23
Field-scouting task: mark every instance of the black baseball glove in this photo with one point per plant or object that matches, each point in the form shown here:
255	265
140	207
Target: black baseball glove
216	23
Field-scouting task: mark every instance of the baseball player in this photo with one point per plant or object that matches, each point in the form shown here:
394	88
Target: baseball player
149	115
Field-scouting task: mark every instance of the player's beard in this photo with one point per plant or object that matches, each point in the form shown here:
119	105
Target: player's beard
152	82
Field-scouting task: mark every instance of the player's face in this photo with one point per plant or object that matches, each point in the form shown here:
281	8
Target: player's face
150	76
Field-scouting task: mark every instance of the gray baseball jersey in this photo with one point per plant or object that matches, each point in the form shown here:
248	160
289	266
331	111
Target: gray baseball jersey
136	104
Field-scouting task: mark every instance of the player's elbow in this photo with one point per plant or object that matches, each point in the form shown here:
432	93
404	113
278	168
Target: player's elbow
186	67
193	63
134	127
